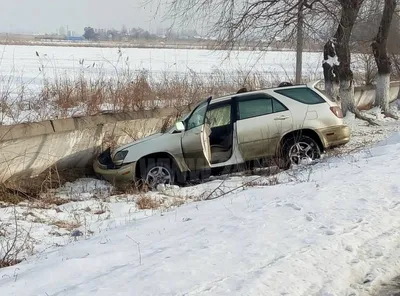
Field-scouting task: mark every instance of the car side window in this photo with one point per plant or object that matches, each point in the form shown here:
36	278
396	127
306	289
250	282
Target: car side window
219	116
303	95
254	107
197	117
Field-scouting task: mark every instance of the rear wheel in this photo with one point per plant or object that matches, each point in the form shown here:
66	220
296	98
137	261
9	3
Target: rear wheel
298	150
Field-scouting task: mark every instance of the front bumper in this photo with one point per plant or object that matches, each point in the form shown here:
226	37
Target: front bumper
335	136
104	167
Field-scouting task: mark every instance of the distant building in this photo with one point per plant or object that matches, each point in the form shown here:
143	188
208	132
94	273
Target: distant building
75	38
71	33
61	31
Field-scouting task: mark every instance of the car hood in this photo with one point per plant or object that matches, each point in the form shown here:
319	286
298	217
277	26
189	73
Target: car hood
145	139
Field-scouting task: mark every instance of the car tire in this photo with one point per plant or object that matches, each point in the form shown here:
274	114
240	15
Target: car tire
298	147
157	172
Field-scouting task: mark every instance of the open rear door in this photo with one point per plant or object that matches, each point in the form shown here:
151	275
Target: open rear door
196	139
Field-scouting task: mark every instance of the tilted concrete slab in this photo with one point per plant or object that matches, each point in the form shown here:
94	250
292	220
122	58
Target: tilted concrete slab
365	96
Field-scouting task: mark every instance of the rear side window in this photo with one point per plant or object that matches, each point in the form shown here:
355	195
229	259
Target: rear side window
303	95
258	105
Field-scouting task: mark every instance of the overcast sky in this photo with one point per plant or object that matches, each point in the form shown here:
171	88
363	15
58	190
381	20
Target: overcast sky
49	15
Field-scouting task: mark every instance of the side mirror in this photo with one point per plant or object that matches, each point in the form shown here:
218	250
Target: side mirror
180	127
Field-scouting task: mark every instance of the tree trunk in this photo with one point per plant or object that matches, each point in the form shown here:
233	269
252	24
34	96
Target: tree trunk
379	49
382	92
350	9
346	93
396	64
300	42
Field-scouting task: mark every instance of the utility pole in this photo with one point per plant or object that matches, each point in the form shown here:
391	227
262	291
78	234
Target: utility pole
300	42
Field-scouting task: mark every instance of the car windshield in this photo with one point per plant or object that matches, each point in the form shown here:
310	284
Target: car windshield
172	127
183	118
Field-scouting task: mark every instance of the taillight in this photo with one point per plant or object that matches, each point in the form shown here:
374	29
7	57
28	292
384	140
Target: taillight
337	111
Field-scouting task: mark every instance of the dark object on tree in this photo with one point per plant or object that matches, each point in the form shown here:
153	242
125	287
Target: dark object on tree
283	84
242	90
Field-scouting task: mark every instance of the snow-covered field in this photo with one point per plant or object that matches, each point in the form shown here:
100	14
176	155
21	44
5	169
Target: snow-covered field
327	229
20	65
23	60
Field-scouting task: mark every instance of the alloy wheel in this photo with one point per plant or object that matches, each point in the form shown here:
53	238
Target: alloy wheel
158	175
302	153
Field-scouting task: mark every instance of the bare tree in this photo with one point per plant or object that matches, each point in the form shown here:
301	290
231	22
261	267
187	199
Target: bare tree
380	51
337	61
254	22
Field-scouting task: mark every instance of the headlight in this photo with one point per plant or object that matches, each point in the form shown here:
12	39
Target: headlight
120	155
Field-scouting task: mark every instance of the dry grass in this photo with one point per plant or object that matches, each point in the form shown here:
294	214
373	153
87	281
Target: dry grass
69	225
40	188
49	200
99	212
145	202
177	202
270	181
8	263
14	241
10	196
109	140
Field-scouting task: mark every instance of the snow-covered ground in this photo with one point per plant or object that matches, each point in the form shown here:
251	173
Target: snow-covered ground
364	135
327	229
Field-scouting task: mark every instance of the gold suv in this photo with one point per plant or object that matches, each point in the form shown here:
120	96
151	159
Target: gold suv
290	124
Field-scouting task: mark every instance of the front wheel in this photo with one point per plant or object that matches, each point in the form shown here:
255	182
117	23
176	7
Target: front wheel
159	172
298	150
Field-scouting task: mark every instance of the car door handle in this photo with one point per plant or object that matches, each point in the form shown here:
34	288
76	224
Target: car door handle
282	117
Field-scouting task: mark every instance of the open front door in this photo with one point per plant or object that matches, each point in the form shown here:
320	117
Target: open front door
196	139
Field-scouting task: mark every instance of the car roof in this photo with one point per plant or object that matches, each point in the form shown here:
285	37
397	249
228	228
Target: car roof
259	91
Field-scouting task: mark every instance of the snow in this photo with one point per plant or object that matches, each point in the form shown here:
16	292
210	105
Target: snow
364	135
332	61
331	228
